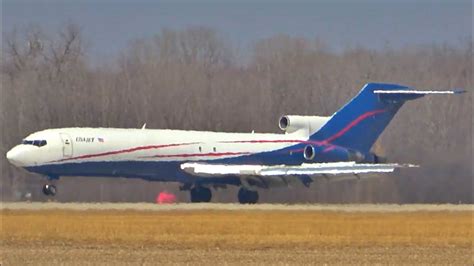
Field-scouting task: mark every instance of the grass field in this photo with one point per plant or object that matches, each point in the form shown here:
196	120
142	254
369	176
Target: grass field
238	236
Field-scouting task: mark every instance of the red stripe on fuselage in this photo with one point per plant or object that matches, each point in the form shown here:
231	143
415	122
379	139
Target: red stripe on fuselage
150	147
318	143
185	155
275	141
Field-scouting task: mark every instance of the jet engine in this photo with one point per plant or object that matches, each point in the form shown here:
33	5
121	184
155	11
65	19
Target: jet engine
293	123
309	152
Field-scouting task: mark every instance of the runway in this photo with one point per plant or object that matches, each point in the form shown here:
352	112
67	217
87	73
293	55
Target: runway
236	207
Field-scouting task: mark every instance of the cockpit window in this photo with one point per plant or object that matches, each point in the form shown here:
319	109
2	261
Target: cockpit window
38	143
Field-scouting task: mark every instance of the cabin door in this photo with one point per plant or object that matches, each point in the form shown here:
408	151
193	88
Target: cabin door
67	145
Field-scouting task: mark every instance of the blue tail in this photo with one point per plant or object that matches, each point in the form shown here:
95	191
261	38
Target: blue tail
359	123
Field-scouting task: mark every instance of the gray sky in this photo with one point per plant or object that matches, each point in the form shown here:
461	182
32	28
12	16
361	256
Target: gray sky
109	25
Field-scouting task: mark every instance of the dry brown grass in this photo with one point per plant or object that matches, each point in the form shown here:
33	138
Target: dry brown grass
248	229
241	231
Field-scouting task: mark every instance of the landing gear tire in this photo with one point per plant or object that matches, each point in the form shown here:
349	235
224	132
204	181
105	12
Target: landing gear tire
49	190
201	194
247	196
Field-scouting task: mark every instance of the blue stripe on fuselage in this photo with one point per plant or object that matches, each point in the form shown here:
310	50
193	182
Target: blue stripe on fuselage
170	171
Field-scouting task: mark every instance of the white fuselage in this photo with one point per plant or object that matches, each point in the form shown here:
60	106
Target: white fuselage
80	145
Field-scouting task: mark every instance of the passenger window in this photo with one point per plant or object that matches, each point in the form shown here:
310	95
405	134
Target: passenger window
214	149
43	143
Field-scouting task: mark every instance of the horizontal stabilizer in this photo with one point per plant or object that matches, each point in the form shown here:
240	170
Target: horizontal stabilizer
455	91
411	94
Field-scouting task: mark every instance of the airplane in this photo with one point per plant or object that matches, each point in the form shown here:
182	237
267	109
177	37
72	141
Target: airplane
332	147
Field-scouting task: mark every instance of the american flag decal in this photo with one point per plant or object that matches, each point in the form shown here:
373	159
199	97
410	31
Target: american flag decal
100	139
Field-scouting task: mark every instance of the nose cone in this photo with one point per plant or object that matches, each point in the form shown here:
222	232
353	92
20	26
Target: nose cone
13	156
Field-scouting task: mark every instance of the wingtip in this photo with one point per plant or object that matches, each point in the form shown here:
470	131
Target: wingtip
404	165
409	165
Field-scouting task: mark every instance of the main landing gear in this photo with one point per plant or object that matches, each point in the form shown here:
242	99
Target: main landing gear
200	194
204	194
247	196
49	190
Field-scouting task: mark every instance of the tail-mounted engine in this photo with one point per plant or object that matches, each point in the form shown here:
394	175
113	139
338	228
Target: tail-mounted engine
293	123
309	153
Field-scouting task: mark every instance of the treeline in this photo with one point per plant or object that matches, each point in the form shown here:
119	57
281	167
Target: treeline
195	79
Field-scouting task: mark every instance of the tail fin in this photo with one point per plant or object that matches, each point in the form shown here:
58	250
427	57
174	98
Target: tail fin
359	123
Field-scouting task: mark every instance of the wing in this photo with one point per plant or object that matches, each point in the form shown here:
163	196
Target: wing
283	175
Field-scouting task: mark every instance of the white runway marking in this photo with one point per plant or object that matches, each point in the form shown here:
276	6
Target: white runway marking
236	207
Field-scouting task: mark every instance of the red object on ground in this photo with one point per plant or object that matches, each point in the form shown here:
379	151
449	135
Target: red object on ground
165	197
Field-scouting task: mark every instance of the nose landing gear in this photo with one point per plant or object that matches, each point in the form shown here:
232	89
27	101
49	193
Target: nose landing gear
49	190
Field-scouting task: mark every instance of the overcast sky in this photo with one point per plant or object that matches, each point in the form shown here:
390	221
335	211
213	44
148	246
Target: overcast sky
109	25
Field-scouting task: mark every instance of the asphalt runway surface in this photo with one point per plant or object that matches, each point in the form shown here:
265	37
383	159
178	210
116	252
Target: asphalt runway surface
236	207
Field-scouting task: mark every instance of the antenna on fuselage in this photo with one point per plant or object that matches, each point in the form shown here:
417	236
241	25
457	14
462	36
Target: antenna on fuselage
144	126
